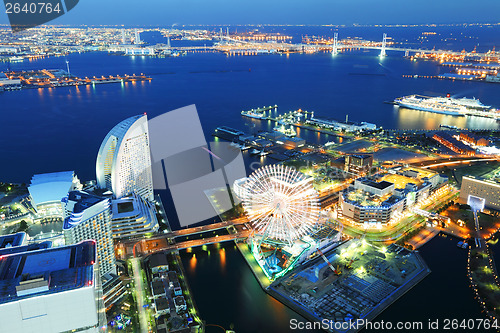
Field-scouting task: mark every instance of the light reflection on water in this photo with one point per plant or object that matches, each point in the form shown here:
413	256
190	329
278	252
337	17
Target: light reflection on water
192	263
222	254
415	119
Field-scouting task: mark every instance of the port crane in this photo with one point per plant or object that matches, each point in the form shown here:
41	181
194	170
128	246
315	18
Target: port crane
335	270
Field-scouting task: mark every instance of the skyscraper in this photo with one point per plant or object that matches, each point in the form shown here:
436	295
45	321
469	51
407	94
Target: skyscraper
124	161
137	37
87	216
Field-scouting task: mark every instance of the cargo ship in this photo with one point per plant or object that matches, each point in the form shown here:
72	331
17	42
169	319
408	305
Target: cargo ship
447	105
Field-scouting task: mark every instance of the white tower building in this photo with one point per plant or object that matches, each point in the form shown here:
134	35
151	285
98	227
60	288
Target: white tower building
137	37
124	39
124	160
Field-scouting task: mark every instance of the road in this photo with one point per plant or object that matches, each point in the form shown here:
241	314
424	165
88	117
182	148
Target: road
454	161
139	289
209	227
148	246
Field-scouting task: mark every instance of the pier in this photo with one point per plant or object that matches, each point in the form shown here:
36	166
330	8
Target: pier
55	78
259	113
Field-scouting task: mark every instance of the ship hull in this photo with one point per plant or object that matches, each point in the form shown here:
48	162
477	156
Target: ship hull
422	108
252	116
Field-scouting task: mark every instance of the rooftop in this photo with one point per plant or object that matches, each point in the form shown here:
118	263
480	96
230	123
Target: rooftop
453	141
483	180
59	269
365	199
12	240
81	201
400	181
378	185
161	303
158	259
25	248
51	187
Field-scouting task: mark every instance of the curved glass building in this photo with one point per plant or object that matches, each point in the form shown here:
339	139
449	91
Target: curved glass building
124	161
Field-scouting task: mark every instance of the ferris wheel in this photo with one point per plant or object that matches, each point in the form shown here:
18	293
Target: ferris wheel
281	203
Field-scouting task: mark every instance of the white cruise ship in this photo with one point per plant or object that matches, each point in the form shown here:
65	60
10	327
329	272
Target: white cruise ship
447	105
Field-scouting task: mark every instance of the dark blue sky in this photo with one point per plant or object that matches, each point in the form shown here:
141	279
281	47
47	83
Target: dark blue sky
167	12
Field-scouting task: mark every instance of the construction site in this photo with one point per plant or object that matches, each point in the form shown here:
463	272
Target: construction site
356	280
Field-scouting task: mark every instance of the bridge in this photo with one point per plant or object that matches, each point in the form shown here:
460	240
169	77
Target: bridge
231	45
164	242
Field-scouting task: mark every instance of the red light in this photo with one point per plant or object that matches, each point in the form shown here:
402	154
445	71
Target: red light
92	262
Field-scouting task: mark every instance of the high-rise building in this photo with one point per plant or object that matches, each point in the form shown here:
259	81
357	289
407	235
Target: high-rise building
124	160
51	290
133	216
87	216
137	37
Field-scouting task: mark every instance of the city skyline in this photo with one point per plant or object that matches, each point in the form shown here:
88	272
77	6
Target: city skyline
297	12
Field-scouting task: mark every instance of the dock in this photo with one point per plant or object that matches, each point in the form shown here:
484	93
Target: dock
44	78
358	291
259	113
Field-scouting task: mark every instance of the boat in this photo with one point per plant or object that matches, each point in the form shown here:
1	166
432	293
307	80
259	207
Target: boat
254	115
471	103
290	132
493	78
16	59
430	104
448	126
447	105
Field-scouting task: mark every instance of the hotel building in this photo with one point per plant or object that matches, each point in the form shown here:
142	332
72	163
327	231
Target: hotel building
88	216
124	161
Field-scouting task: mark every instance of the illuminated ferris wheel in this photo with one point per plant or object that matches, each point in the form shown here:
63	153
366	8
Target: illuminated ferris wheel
281	203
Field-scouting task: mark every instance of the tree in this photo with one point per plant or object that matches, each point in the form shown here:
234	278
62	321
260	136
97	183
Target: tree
23	226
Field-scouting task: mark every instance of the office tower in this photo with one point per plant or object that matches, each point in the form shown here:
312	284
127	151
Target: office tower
51	290
124	161
87	216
